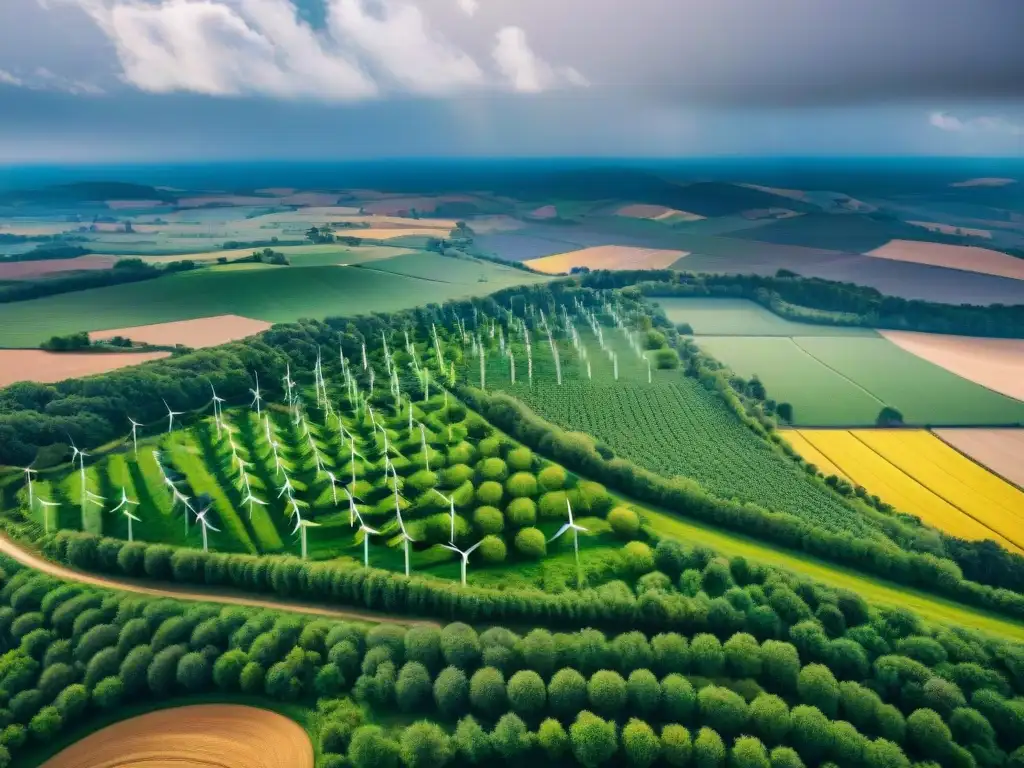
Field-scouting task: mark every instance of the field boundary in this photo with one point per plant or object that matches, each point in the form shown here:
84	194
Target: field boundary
841	375
970	458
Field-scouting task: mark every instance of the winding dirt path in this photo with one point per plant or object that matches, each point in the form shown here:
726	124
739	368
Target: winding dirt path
37	562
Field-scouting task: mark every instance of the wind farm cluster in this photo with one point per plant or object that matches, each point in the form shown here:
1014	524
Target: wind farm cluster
370	449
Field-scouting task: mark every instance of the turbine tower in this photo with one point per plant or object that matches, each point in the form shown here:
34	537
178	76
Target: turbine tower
464	554
170	417
207	526
451	510
257	398
135	436
575	527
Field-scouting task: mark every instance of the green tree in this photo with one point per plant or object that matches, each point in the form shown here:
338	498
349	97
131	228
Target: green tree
526	693
370	747
46	724
227	670
785	757
749	752
640	744
510	737
706	655
678	698
671	651
193	672
625	523
567	692
592	739
451	691
607	693
472	742
413	687
72	702
676	747
108	693
644	692
818	687
553	739
538	651
769	718
251	679
722	709
708	749
425	745
487	691
460	645
928	734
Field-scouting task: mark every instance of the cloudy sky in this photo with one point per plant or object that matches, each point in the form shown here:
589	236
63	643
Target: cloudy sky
167	80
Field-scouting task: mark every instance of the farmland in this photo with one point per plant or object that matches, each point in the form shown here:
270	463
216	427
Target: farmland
739	317
274	295
37	365
998	449
916	473
203	332
607	257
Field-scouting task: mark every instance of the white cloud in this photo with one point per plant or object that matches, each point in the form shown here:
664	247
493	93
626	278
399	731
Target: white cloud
402	47
7	78
984	124
42	79
524	70
469	7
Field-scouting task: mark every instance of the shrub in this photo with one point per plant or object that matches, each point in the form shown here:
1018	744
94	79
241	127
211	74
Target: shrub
552	738
552	505
457	474
749	752
592	739
493	549
675	745
624	522
567	692
769	718
251	679
526	693
722	709
134	669
425	745
521	485
707	657
71	702
471	741
490	446
460	645
370	747
552	478
644	692
539	651
421	481
451	691
708	749
228	669
522	512
671	653
423	644
531	543
193	672
510	737
678	698
639	557
520	459
817	686
492	468
640	744
487	691
46	724
607	693
488	520
413	687
490	493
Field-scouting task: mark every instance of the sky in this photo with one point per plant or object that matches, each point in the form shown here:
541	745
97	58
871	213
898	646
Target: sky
177	80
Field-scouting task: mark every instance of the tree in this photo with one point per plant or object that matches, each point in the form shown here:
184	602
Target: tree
749	752
329	681
413	687
510	737
425	745
193	672
567	692
706	655
530	542
471	741
810	732
371	748
228	669
133	672
678	698
526	693
708	749
46	724
538	651
722	709
460	645
162	672
817	686
676	747
487	691
928	734
644	692
71	702
607	693
451	691
552	738
592	739
781	664
631	650
889	417
769	718
251	679
625	523
785	757
640	744
108	693
671	650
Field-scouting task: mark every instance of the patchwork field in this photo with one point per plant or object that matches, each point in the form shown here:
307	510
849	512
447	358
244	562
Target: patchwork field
997	364
224	735
998	449
202	332
270	295
298	255
31	270
739	317
917	473
37	365
607	257
962	257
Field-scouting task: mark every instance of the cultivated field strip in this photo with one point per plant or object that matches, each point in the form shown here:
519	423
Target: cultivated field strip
866	467
811	454
1001	450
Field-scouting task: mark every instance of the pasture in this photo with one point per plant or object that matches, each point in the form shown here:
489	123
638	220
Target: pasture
270	295
918	474
297	255
739	317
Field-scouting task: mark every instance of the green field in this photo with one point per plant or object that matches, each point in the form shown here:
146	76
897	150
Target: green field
923	392
819	395
739	317
274	295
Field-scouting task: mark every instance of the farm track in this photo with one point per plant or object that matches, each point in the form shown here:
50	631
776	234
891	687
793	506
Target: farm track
37	562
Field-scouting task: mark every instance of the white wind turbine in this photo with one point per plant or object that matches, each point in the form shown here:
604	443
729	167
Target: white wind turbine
353	513
451	510
135	436
250	500
406	538
170	417
575	527
464	554
257	398
302	526
123	508
179	496
28	479
423	442
207	526
367	532
217	411
47	505
334	486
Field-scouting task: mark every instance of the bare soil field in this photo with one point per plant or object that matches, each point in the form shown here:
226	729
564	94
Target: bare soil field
33	228
656	213
607	257
949	229
48	367
498	223
987	181
204	332
29	270
221	735
998	449
963	257
997	364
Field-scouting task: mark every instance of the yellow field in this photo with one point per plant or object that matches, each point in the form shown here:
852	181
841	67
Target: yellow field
918	487
812	454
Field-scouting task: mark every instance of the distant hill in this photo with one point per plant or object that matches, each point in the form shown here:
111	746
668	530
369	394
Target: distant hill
87	192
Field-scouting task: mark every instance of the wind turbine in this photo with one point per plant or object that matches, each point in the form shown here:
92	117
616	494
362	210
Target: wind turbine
28	477
216	407
406	538
464	554
250	500
135	437
302	526
451	508
257	398
367	531
353	513
575	528
201	518
170	417
334	486
423	441
123	508
47	505
179	496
